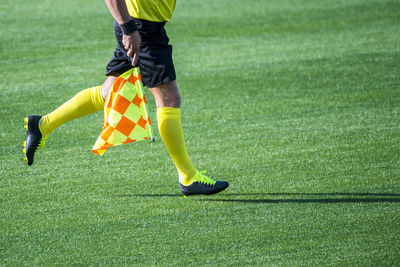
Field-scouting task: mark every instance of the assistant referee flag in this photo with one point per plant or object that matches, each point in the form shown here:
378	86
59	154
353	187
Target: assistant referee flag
126	116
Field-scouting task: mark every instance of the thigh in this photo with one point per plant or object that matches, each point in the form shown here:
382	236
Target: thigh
155	57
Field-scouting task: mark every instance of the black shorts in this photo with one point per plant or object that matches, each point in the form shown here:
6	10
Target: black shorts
155	57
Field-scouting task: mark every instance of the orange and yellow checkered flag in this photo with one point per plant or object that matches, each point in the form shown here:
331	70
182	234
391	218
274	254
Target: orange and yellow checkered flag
126	116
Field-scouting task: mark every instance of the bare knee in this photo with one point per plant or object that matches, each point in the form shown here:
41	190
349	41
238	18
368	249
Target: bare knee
108	83
167	95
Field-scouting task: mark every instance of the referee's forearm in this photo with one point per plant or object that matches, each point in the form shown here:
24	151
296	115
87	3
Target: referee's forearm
118	10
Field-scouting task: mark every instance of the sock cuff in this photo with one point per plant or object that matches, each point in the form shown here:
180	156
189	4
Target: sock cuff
97	98
167	113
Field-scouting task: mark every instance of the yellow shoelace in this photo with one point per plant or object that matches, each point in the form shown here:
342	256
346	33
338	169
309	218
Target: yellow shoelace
199	177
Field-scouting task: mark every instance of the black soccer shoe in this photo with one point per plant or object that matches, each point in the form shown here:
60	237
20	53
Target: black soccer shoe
33	137
203	185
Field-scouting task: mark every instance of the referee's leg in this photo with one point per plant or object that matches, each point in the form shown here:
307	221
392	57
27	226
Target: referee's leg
192	182
167	95
83	103
168	103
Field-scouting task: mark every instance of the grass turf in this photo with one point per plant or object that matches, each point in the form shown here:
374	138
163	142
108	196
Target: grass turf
295	103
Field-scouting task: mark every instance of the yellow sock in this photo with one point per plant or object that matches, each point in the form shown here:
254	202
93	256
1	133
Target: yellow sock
169	125
83	103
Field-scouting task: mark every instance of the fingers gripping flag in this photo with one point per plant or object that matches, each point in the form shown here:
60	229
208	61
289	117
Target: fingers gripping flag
126	116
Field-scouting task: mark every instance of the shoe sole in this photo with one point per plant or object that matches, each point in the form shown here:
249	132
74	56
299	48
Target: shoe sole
188	195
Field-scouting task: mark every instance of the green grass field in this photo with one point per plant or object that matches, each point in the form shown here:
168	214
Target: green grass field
296	103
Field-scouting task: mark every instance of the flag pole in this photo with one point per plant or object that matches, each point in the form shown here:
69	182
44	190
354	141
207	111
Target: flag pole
146	111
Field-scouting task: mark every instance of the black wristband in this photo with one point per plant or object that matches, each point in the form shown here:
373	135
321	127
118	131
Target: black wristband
128	27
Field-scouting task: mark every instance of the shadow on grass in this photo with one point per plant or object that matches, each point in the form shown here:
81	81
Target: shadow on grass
151	195
323	198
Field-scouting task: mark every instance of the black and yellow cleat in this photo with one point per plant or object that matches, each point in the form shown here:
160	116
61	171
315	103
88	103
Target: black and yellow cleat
33	138
203	185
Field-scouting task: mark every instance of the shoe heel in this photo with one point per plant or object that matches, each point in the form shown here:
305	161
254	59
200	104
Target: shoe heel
26	123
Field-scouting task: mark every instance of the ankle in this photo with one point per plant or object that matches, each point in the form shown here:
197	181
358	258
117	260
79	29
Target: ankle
186	180
42	126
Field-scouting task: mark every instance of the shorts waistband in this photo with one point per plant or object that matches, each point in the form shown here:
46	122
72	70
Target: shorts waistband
147	22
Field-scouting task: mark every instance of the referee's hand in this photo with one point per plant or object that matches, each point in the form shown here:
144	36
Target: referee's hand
132	43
